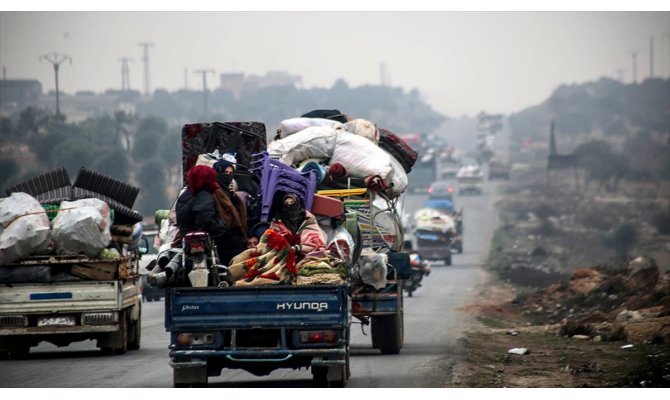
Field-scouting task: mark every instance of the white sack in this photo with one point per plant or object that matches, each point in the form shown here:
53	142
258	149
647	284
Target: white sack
364	128
292	125
24	228
312	142
82	226
360	157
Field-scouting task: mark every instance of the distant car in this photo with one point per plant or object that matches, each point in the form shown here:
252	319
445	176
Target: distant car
149	252
441	190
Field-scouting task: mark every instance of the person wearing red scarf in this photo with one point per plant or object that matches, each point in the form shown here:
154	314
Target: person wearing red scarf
197	209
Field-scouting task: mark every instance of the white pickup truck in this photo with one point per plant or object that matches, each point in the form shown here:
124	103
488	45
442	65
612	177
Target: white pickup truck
65	299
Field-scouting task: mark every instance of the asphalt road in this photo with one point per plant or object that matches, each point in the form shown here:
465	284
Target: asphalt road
433	325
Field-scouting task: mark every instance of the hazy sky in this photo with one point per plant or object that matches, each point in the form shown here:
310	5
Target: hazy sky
462	62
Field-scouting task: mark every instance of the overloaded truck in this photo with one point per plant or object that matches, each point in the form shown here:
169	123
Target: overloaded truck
434	232
69	269
290	318
499	169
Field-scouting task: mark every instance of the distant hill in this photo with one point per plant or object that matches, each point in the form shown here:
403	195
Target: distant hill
606	109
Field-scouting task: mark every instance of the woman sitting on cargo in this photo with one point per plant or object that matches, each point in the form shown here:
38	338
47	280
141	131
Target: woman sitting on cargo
198	209
297	225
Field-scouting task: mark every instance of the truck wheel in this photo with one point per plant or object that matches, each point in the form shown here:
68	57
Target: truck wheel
189	377
387	333
18	352
120	339
134	331
320	377
339	376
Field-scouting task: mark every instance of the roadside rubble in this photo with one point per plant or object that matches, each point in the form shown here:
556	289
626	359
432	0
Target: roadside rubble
631	304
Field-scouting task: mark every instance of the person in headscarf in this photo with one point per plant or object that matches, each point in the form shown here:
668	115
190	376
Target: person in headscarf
199	209
231	209
297	225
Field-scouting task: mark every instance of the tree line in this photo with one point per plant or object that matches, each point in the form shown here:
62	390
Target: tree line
144	148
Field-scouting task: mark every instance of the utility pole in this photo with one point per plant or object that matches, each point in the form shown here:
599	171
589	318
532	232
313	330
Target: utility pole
204	73
125	74
619	72
651	57
56	59
145	59
633	54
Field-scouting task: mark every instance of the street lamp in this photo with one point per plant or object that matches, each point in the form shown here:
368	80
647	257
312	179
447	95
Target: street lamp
56	59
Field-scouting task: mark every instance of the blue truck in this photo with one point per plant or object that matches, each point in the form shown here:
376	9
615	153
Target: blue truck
259	329
263	328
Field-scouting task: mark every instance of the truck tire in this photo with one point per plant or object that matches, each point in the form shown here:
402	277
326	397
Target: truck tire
135	331
387	333
121	337
339	376
17	352
189	377
320	377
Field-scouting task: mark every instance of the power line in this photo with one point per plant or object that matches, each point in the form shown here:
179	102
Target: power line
56	59
145	59
204	73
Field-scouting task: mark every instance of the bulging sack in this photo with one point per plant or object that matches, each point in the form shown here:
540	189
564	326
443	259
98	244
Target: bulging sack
24	228
363	128
360	157
313	142
292	125
82	226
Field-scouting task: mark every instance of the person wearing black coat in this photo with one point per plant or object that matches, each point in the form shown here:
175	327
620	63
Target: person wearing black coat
196	209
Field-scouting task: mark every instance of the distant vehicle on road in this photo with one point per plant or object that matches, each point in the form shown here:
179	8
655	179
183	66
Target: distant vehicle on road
441	190
499	169
149	292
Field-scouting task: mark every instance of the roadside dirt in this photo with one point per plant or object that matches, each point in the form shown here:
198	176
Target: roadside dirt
585	316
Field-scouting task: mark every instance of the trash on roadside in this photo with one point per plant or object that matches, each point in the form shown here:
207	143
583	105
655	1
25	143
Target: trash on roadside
513	332
518	350
627	346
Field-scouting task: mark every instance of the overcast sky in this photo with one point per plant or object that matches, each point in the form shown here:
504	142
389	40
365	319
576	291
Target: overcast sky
462	62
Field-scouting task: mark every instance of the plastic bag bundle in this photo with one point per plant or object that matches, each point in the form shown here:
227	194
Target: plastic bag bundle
372	268
313	142
364	128
341	245
24	228
82	226
360	157
292	125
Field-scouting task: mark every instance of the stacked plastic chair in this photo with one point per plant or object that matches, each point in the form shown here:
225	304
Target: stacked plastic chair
275	176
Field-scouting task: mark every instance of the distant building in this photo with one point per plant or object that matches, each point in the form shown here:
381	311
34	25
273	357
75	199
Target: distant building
233	83
237	82
17	94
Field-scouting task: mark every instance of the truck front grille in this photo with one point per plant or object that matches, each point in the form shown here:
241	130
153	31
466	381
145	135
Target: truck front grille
101	318
13	321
